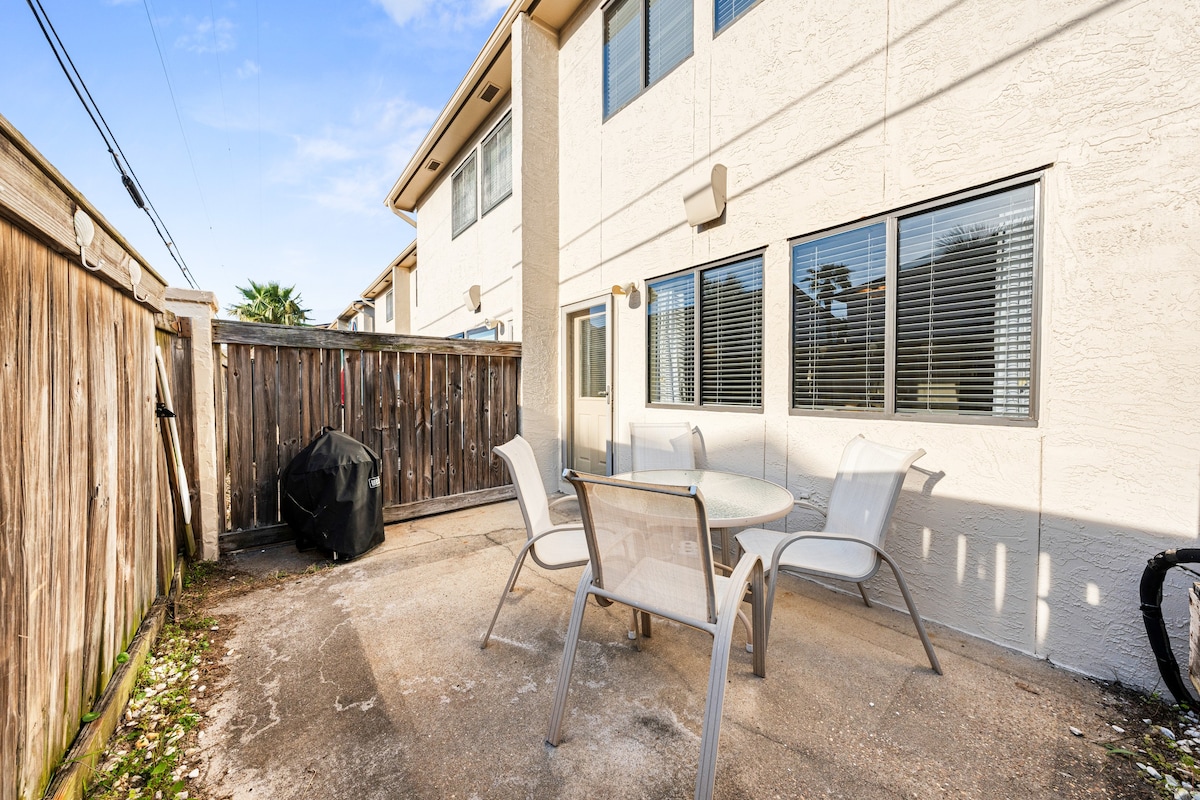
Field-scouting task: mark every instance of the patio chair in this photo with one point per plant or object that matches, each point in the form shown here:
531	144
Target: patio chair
661	445
649	548
551	546
850	546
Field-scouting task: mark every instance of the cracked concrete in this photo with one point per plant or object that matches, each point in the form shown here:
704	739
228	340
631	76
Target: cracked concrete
367	681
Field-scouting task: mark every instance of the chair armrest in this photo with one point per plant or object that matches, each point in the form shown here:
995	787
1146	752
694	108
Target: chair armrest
805	502
791	539
565	498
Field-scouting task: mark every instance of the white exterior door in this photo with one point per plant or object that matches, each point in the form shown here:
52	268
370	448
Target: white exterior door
590	412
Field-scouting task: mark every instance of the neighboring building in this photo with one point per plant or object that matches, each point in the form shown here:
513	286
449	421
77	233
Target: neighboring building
385	304
969	228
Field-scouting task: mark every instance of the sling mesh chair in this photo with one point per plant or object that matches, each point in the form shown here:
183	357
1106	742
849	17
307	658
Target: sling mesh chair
850	547
551	546
649	548
661	445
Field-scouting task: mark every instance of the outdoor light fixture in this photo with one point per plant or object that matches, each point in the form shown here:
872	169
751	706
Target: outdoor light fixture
705	201
471	298
494	325
624	288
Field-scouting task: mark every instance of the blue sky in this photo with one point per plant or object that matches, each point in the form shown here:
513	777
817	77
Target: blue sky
294	119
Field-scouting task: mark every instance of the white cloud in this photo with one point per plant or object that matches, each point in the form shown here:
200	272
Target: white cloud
207	35
448	15
248	69
323	150
348	169
401	11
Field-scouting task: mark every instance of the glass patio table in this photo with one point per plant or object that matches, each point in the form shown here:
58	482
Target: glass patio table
731	501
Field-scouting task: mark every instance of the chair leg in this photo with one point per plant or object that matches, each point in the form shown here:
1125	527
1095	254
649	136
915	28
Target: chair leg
912	612
710	733
508	587
863	591
554	734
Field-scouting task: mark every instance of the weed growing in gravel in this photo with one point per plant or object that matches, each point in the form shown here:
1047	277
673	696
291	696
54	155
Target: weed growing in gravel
147	756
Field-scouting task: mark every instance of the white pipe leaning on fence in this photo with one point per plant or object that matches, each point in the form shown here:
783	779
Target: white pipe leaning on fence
181	484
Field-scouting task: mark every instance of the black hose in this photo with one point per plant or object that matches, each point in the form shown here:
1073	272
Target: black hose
1150	592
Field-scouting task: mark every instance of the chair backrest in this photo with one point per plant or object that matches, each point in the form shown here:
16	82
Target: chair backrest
662	445
866	489
531	494
649	546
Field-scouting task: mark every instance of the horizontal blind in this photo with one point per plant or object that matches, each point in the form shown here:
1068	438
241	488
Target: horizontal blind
623	44
593	357
496	153
838	320
726	11
670	315
669	26
731	334
463	210
965	307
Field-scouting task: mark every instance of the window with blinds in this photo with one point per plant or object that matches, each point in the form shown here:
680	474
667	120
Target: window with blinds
592	355
731	334
643	41
707	352
962	285
838	315
464	211
964	307
671	315
496	155
726	11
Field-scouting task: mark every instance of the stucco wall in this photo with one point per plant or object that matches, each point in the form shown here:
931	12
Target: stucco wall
1033	537
487	253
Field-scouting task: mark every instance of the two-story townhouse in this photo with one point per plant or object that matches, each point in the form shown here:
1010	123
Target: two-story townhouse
967	227
385	304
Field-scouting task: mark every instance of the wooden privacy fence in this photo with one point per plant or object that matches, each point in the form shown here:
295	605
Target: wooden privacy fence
432	409
87	523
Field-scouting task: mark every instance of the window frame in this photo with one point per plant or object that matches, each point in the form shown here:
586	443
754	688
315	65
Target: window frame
718	31
389	305
891	219
472	159
697	323
644	55
491	135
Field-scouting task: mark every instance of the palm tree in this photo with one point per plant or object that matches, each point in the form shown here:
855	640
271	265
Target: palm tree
267	302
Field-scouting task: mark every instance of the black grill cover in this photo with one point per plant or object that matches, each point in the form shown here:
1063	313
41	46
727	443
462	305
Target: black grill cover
331	496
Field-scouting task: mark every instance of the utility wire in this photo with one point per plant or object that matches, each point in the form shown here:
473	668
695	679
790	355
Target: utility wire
128	176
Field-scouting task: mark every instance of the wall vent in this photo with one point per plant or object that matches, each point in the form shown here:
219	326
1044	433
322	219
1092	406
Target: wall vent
490	90
433	166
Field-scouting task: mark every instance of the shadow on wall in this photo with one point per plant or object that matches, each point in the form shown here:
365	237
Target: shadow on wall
1060	587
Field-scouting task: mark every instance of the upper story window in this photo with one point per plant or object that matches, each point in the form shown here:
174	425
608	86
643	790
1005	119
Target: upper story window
704	343
496	155
726	11
643	41
389	305
464	210
490	182
929	311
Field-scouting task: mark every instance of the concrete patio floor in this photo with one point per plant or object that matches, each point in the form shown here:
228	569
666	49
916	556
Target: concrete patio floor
367	681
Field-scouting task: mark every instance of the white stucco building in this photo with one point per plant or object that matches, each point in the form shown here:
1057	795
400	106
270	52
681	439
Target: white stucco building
968	227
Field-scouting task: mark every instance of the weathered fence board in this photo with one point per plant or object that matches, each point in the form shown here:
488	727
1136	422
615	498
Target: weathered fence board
432	409
87	524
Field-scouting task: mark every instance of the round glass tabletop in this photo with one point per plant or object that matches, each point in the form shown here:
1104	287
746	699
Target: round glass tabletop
732	501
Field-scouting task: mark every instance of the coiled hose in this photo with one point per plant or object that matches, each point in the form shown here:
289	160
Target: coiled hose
1150	592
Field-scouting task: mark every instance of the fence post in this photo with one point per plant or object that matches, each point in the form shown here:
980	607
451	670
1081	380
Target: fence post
200	308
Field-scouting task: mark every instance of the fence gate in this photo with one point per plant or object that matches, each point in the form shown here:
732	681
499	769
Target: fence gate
432	409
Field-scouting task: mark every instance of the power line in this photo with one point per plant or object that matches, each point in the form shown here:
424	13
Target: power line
128	177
